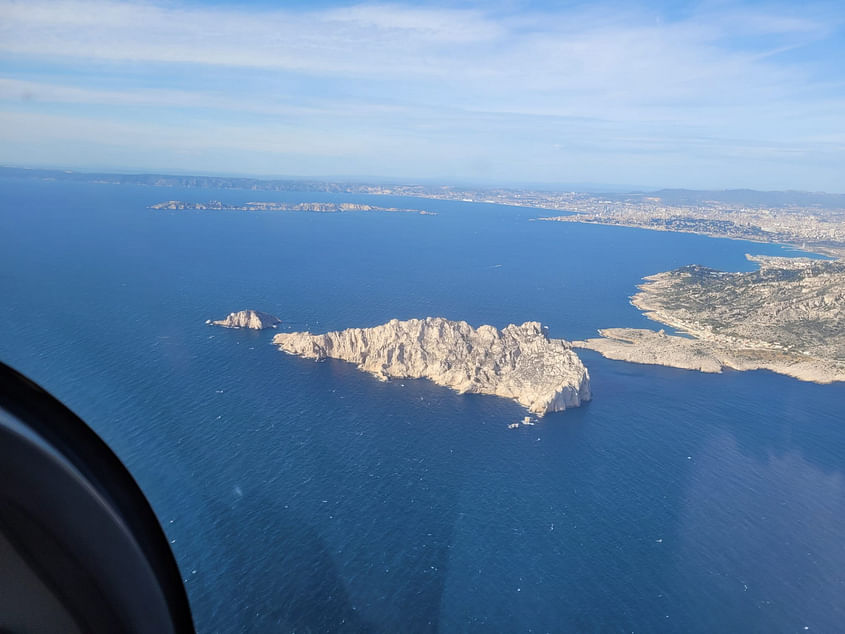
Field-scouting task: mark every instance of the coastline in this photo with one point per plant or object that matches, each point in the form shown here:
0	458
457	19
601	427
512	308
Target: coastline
648	347
836	253
741	321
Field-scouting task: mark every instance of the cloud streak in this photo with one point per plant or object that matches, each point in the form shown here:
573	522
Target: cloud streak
604	80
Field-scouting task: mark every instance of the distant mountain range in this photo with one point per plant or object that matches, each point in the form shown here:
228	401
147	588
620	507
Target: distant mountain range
751	197
748	197
173	180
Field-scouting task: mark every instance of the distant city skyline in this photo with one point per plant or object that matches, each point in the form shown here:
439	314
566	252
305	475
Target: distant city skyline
699	95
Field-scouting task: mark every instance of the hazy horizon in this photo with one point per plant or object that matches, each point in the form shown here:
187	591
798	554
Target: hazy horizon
364	179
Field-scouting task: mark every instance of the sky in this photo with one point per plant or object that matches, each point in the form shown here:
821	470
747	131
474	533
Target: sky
713	94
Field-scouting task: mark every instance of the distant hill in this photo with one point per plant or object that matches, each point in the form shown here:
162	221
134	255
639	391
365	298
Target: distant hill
748	197
172	180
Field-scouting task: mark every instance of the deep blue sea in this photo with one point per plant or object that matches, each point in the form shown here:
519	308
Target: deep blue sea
309	497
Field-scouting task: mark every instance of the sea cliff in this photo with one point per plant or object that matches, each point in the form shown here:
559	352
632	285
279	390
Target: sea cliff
518	362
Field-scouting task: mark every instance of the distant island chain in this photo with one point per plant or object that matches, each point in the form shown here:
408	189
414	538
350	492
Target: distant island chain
808	220
319	207
786	317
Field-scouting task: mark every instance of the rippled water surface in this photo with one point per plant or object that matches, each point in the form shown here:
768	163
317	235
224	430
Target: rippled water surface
310	497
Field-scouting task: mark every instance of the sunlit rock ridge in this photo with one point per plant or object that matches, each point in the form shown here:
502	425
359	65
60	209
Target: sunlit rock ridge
253	319
518	362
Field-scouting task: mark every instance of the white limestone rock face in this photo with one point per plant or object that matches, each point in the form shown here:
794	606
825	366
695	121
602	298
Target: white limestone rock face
517	362
636	345
253	319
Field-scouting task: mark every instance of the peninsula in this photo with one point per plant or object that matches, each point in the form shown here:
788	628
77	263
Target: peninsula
252	319
216	205
518	362
788	316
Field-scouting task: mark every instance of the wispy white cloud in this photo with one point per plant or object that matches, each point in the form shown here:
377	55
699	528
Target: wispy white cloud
364	40
591	47
51	93
601	79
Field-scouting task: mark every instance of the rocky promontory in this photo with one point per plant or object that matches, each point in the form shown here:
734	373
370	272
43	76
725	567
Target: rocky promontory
253	319
787	317
517	362
639	345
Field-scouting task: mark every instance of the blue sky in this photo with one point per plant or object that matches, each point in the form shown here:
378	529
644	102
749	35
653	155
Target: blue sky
686	94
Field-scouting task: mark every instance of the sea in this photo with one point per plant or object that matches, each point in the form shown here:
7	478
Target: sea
309	497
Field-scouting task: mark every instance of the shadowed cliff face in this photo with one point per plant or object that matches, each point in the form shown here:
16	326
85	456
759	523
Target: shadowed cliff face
518	362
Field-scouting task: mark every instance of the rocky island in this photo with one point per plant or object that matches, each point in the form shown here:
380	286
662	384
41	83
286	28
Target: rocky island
216	205
788	317
252	319
517	362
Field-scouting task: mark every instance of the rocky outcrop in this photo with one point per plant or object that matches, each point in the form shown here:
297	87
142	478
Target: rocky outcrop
637	345
517	362
790	304
253	319
786	317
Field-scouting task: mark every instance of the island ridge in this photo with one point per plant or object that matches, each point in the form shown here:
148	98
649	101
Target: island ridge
518	362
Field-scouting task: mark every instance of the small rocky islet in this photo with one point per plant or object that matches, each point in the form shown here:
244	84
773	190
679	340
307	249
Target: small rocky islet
251	319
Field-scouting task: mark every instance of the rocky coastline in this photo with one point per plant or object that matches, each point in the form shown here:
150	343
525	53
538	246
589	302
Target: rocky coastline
787	317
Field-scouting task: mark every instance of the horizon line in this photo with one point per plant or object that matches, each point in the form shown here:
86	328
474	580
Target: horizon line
589	187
